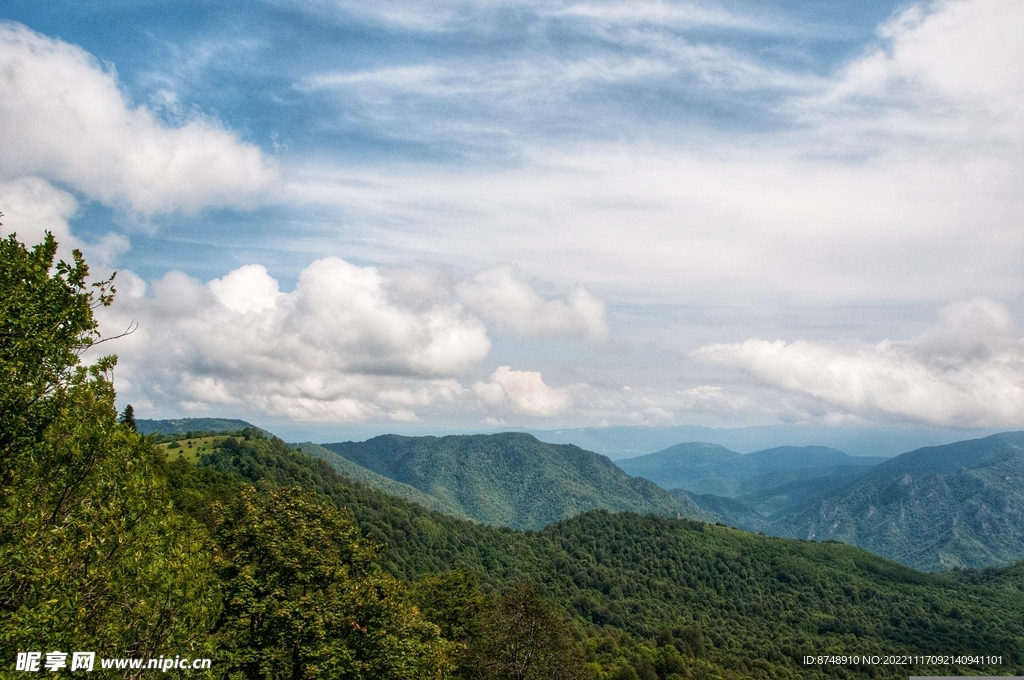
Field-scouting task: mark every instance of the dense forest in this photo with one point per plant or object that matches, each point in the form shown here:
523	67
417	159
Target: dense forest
276	565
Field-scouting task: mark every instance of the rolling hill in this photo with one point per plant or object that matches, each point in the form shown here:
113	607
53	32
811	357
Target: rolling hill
512	479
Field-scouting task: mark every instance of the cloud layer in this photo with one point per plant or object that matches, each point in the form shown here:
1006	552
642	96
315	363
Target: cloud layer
966	371
510	303
349	343
894	178
693	161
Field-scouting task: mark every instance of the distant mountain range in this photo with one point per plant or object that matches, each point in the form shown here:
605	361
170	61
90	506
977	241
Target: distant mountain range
712	469
511	479
958	505
619	442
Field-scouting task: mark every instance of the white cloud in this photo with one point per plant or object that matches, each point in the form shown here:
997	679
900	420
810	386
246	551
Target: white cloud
341	346
675	14
525	391
246	289
63	117
32	206
895	179
968	50
946	72
511	304
967	370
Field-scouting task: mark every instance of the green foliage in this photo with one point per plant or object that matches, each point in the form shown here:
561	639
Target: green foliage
89	556
46	322
192	426
958	505
511	479
128	418
522	637
453	601
733	604
389	486
302	598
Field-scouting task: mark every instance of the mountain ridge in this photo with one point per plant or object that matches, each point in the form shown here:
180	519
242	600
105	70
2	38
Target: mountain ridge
705	468
512	478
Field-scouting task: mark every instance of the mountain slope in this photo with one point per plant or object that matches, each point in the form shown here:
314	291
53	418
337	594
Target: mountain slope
946	506
759	604
386	484
711	469
512	479
184	425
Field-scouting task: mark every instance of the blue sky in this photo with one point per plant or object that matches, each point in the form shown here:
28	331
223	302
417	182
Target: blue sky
469	215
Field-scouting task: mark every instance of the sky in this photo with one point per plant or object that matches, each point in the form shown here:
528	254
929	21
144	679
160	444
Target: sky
475	215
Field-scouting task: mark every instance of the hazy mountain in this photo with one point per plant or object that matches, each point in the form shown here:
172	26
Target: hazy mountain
184	425
956	505
512	479
630	441
729	510
704	468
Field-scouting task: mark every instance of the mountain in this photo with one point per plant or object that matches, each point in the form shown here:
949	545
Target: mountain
630	441
185	425
512	479
387	485
712	469
959	505
746	605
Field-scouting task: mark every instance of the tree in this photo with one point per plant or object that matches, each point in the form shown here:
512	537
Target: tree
303	597
128	418
90	556
522	637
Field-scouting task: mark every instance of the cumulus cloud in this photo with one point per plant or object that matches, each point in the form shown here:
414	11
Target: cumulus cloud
949	72
511	304
525	391
63	117
341	346
32	206
967	370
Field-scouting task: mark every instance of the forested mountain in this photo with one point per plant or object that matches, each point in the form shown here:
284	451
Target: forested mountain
185	425
512	479
677	598
945	506
370	478
958	505
712	469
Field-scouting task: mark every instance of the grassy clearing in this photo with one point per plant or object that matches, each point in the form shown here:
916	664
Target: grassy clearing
191	449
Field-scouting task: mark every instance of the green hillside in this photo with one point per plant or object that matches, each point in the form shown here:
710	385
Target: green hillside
734	604
185	425
512	479
959	505
358	473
